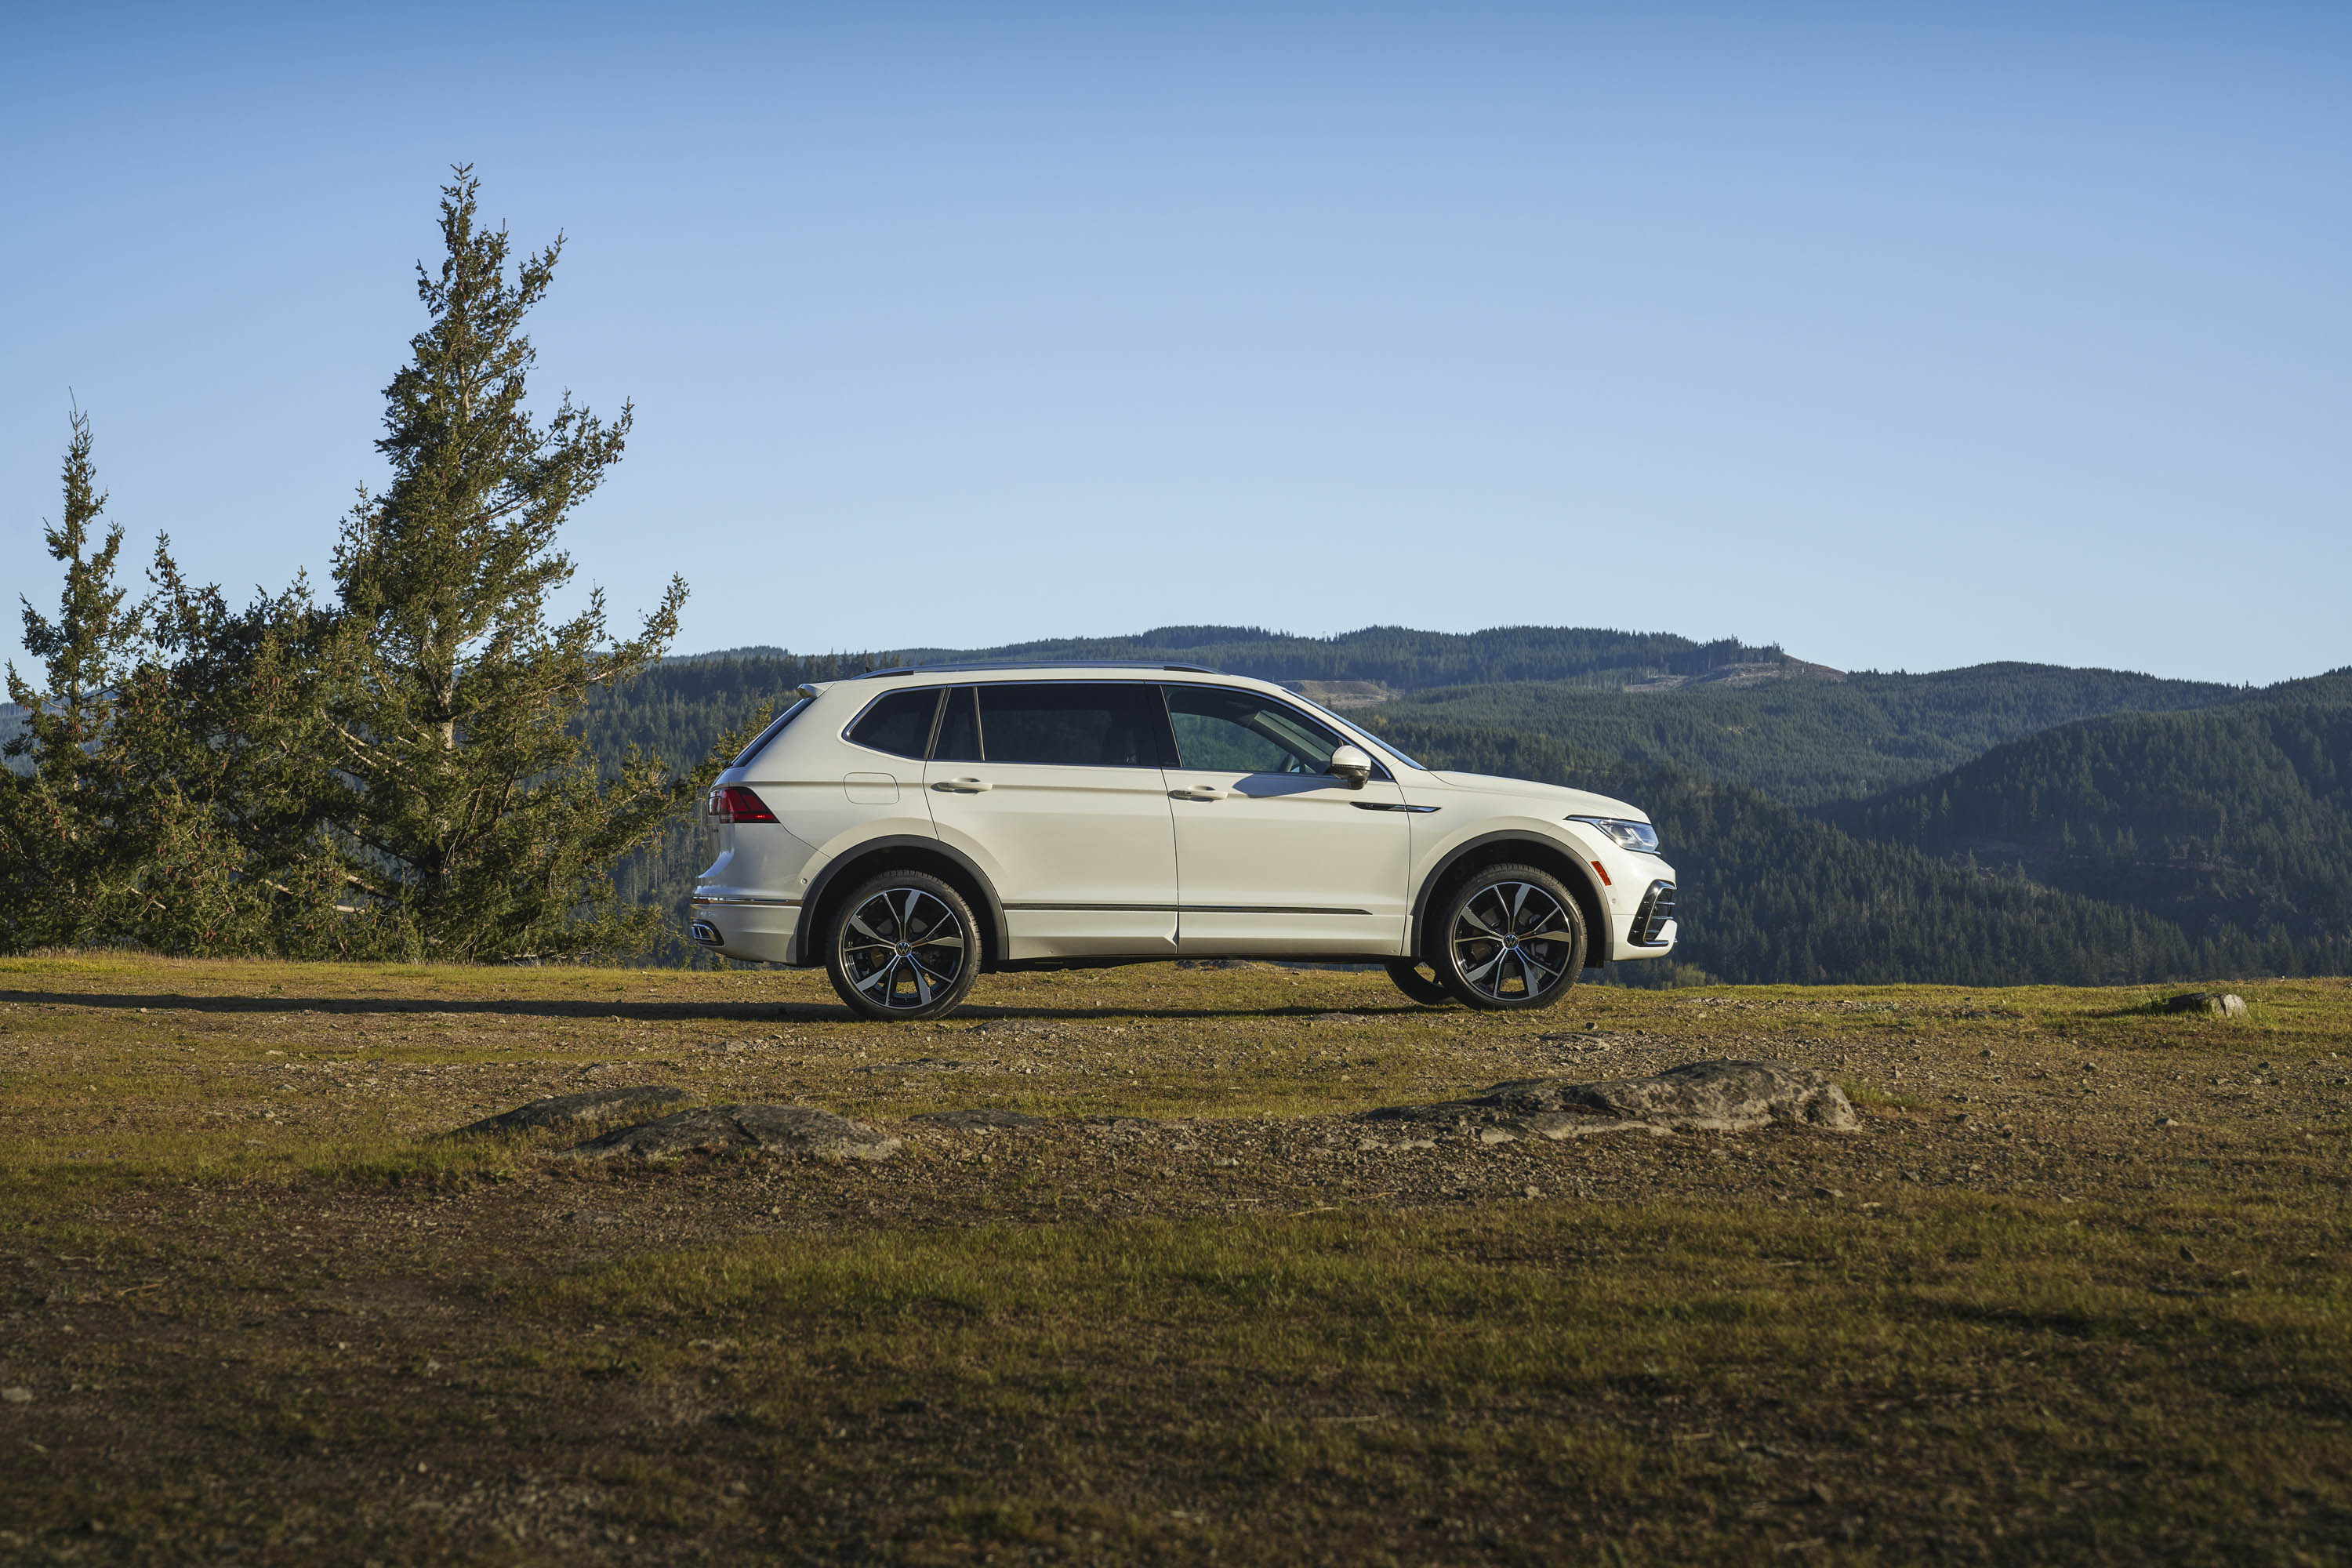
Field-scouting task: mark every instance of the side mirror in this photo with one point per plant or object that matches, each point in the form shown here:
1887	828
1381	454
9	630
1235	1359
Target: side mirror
1350	767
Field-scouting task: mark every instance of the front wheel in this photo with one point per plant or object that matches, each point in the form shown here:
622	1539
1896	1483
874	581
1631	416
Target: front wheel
1417	986
1510	937
903	945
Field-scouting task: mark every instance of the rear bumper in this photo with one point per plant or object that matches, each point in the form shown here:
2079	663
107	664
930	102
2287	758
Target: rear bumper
740	926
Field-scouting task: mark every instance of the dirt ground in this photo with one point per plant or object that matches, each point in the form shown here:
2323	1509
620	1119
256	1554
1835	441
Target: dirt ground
2075	1291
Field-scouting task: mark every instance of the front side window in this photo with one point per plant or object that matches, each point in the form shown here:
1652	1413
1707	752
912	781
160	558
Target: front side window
899	723
1074	723
1225	731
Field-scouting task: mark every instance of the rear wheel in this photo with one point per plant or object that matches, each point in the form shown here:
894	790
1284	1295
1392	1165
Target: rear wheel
1509	938
903	945
1417	986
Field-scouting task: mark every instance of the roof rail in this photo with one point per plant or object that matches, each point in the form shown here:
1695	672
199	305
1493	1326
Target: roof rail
1038	664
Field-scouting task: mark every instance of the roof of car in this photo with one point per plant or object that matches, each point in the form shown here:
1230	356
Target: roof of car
1034	665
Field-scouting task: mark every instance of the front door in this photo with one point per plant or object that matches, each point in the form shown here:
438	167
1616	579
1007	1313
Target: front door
1274	854
1056	787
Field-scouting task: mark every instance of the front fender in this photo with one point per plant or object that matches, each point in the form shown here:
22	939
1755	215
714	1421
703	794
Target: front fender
1566	857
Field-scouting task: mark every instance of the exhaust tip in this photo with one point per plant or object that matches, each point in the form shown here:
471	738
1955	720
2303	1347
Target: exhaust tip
705	934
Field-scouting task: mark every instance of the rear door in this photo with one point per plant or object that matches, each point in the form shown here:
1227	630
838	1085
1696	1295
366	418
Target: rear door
1273	855
1056	787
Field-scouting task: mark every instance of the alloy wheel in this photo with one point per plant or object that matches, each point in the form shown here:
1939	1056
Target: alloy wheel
903	949
1513	943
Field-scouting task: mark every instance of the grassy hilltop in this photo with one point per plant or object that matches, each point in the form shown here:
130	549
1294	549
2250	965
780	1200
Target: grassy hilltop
2078	1290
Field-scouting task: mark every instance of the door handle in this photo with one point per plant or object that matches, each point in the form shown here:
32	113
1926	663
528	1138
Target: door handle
1201	792
965	785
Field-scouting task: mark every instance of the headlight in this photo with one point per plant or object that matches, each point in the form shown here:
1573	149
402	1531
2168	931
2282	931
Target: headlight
1639	836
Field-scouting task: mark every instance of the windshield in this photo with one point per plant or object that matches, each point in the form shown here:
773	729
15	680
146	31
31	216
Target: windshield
775	728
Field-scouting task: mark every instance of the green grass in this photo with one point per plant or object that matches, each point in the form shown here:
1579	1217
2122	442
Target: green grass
2015	1318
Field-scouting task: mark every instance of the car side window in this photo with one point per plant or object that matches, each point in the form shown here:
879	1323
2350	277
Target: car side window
1241	733
901	724
1075	724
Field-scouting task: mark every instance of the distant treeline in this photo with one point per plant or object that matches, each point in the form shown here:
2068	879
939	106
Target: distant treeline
1772	895
2229	821
1397	657
1807	741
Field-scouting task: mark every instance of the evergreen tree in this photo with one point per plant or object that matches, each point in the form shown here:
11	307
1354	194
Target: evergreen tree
474	823
220	738
159	792
62	855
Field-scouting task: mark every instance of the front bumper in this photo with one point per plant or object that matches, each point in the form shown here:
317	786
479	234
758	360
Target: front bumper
1649	931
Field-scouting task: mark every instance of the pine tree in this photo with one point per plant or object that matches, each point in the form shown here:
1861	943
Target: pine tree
474	824
62	848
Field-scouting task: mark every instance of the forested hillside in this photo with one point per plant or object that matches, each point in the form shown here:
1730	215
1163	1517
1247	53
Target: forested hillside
1773	895
1398	657
1808	742
2236	819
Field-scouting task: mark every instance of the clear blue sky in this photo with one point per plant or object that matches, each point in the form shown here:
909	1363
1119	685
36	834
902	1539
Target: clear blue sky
1906	336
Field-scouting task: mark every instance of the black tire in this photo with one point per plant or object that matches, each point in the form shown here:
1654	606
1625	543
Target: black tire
902	946
1510	938
1417	986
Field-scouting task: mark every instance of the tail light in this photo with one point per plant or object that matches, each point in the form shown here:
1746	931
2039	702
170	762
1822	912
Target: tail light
736	804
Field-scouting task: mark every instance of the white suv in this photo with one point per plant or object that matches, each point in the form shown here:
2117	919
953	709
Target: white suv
911	828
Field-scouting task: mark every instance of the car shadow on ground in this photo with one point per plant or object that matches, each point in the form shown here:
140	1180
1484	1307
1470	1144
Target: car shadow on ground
631	1012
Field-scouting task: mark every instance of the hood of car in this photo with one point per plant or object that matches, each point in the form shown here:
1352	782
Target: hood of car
1568	802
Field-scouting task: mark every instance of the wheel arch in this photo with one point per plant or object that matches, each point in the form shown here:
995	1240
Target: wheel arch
903	851
1503	847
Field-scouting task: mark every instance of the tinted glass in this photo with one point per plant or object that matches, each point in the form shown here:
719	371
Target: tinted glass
1239	732
900	724
1077	723
958	738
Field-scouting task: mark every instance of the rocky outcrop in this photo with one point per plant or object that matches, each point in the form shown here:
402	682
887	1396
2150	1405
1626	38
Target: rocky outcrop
1699	1096
574	1110
2219	1004
795	1129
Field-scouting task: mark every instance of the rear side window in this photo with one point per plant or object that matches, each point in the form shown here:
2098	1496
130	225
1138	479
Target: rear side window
899	723
1075	724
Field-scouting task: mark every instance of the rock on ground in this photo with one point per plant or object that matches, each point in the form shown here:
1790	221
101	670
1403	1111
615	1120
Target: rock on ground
986	1118
571	1109
1698	1096
771	1129
2221	1005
